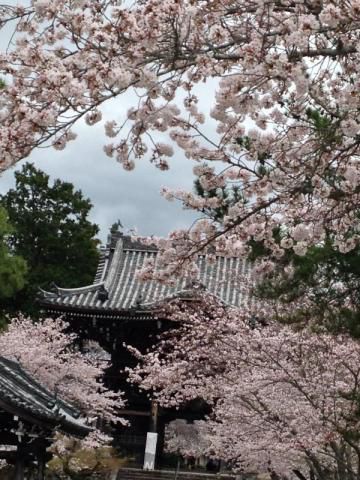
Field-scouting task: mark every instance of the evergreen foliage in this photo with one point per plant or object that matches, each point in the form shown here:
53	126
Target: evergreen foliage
51	232
324	283
12	267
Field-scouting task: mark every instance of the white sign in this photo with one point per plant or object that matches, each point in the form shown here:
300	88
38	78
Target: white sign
150	451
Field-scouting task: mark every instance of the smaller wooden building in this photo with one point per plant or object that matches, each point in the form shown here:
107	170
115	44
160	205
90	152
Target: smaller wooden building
29	417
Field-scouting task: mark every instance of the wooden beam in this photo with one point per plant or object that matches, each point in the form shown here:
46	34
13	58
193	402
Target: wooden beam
139	413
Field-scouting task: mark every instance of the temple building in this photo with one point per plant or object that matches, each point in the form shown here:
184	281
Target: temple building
118	308
29	417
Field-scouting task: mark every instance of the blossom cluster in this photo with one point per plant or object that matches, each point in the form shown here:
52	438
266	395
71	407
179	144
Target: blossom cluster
281	399
277	66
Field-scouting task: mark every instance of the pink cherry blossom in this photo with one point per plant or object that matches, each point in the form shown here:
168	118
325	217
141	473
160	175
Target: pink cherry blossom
281	399
271	65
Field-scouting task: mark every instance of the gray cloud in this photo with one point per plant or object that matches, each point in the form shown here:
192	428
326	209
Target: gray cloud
132	197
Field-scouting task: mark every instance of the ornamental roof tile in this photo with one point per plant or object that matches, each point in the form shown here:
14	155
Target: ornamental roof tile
116	287
22	395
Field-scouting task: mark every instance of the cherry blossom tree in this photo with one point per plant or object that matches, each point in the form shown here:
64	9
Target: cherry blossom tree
283	401
46	350
285	110
186	439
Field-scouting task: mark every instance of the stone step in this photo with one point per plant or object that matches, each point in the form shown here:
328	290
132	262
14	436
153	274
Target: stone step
139	474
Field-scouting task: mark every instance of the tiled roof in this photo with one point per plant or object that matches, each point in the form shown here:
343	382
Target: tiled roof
117	289
22	395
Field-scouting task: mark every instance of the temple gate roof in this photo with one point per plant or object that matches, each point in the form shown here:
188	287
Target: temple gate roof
116	287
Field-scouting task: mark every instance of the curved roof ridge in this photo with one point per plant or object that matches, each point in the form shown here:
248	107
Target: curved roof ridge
71	291
102	265
113	267
75	290
139	243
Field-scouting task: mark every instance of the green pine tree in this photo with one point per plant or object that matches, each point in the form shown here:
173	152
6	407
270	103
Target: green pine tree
12	267
51	232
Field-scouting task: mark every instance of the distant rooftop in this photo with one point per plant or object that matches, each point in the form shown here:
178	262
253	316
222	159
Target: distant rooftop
22	395
117	289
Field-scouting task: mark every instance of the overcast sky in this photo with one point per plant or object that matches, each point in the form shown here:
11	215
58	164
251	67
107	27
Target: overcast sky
133	197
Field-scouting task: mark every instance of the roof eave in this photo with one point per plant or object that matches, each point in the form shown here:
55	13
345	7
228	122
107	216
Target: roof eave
121	313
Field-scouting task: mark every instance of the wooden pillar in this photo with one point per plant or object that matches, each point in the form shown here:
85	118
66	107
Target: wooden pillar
41	464
19	464
161	441
154	417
